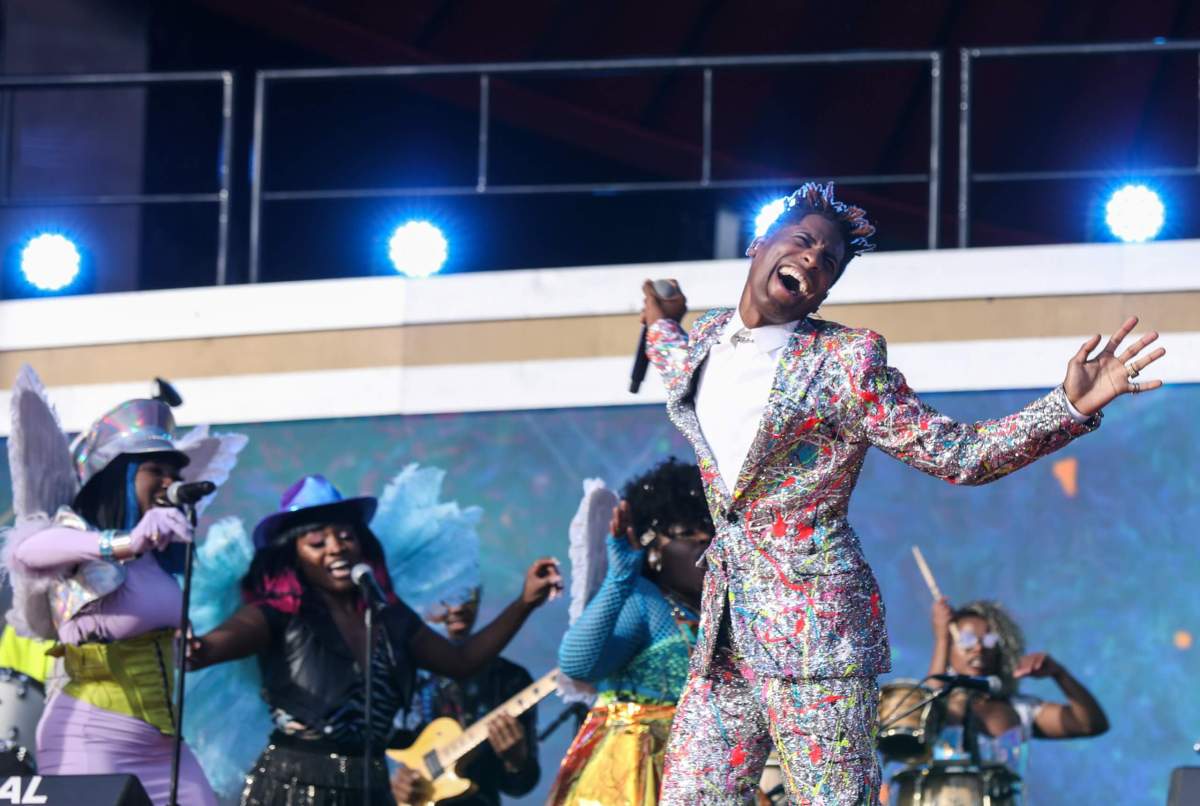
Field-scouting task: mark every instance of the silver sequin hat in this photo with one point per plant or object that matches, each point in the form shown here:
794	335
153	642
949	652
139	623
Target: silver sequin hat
134	427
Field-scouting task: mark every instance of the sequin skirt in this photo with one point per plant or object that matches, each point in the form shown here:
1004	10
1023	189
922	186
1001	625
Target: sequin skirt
616	758
294	775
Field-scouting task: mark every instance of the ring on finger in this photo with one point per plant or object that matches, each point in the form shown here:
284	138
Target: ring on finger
1132	371
1135	387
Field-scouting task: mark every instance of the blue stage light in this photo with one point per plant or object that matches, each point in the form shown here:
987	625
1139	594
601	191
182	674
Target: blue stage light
50	262
767	215
417	249
1134	213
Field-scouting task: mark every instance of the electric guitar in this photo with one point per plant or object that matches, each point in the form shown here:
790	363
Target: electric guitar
443	743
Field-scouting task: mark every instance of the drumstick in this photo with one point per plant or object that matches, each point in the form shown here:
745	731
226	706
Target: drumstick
932	584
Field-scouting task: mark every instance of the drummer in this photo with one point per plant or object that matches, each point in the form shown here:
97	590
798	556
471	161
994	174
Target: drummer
997	728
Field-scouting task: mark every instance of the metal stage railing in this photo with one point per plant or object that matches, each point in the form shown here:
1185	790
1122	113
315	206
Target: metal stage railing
967	177
705	67
9	84
704	180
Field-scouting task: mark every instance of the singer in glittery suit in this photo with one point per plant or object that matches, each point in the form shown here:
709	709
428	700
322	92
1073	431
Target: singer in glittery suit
781	408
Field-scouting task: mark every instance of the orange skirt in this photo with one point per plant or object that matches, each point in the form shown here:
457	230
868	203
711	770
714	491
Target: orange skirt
616	758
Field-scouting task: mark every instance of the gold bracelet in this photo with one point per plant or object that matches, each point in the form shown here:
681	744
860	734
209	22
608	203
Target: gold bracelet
122	548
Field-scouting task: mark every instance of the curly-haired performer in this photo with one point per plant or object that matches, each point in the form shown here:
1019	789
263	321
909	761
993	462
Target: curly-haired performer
998	728
633	638
781	409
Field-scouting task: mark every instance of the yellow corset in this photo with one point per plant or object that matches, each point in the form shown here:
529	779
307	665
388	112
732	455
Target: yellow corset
134	677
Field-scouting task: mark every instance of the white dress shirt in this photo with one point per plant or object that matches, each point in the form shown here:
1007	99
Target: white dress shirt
734	384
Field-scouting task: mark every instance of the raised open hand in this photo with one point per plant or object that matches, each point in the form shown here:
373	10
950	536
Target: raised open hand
621	524
1092	383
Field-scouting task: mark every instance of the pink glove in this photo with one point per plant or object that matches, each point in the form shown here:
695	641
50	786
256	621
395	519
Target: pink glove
158	528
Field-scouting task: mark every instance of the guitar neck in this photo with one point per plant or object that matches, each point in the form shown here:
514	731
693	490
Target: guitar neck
452	752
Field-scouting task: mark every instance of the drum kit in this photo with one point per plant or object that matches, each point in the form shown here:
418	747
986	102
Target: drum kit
21	702
910	719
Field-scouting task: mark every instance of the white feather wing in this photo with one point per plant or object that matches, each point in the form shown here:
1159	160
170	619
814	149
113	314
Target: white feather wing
39	458
212	457
589	563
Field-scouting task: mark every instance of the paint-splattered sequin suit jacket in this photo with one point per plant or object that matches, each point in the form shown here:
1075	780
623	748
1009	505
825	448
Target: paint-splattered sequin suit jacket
802	601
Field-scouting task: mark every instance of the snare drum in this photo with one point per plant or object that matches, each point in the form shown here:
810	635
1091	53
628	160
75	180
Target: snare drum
956	784
22	700
906	732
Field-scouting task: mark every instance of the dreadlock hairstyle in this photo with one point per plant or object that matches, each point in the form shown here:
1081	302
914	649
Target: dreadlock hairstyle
274	578
670	492
812	198
1012	640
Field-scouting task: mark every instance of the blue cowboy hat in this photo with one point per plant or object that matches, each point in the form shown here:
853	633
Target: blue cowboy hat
312	500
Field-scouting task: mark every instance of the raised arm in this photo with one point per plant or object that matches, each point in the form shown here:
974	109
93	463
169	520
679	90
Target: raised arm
1080	715
666	340
56	549
244	633
880	408
939	660
433	652
612	628
884	410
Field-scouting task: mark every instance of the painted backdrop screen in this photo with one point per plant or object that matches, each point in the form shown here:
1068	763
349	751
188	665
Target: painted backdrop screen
1093	550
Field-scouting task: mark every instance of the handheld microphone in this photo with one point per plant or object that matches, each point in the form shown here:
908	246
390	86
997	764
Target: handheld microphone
187	493
362	576
988	685
665	289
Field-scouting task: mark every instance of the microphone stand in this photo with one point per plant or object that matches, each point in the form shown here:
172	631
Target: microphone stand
181	661
941	692
369	623
577	710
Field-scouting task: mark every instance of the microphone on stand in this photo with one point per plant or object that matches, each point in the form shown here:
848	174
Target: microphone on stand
988	685
664	289
183	495
188	493
364	577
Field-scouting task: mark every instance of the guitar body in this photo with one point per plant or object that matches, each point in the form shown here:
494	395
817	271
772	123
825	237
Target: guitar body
446	784
443	743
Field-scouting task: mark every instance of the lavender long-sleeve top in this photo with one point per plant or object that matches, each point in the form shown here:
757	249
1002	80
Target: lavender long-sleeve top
148	600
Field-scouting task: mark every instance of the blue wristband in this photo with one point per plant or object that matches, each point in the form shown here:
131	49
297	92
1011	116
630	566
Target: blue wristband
106	547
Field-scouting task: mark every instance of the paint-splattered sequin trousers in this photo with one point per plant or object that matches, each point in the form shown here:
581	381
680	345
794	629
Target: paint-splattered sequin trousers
729	718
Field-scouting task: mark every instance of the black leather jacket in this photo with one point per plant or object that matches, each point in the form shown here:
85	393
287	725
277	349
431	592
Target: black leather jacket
315	688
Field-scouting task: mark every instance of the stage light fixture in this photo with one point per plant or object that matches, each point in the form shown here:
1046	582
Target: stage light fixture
50	262
1134	213
417	249
767	215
